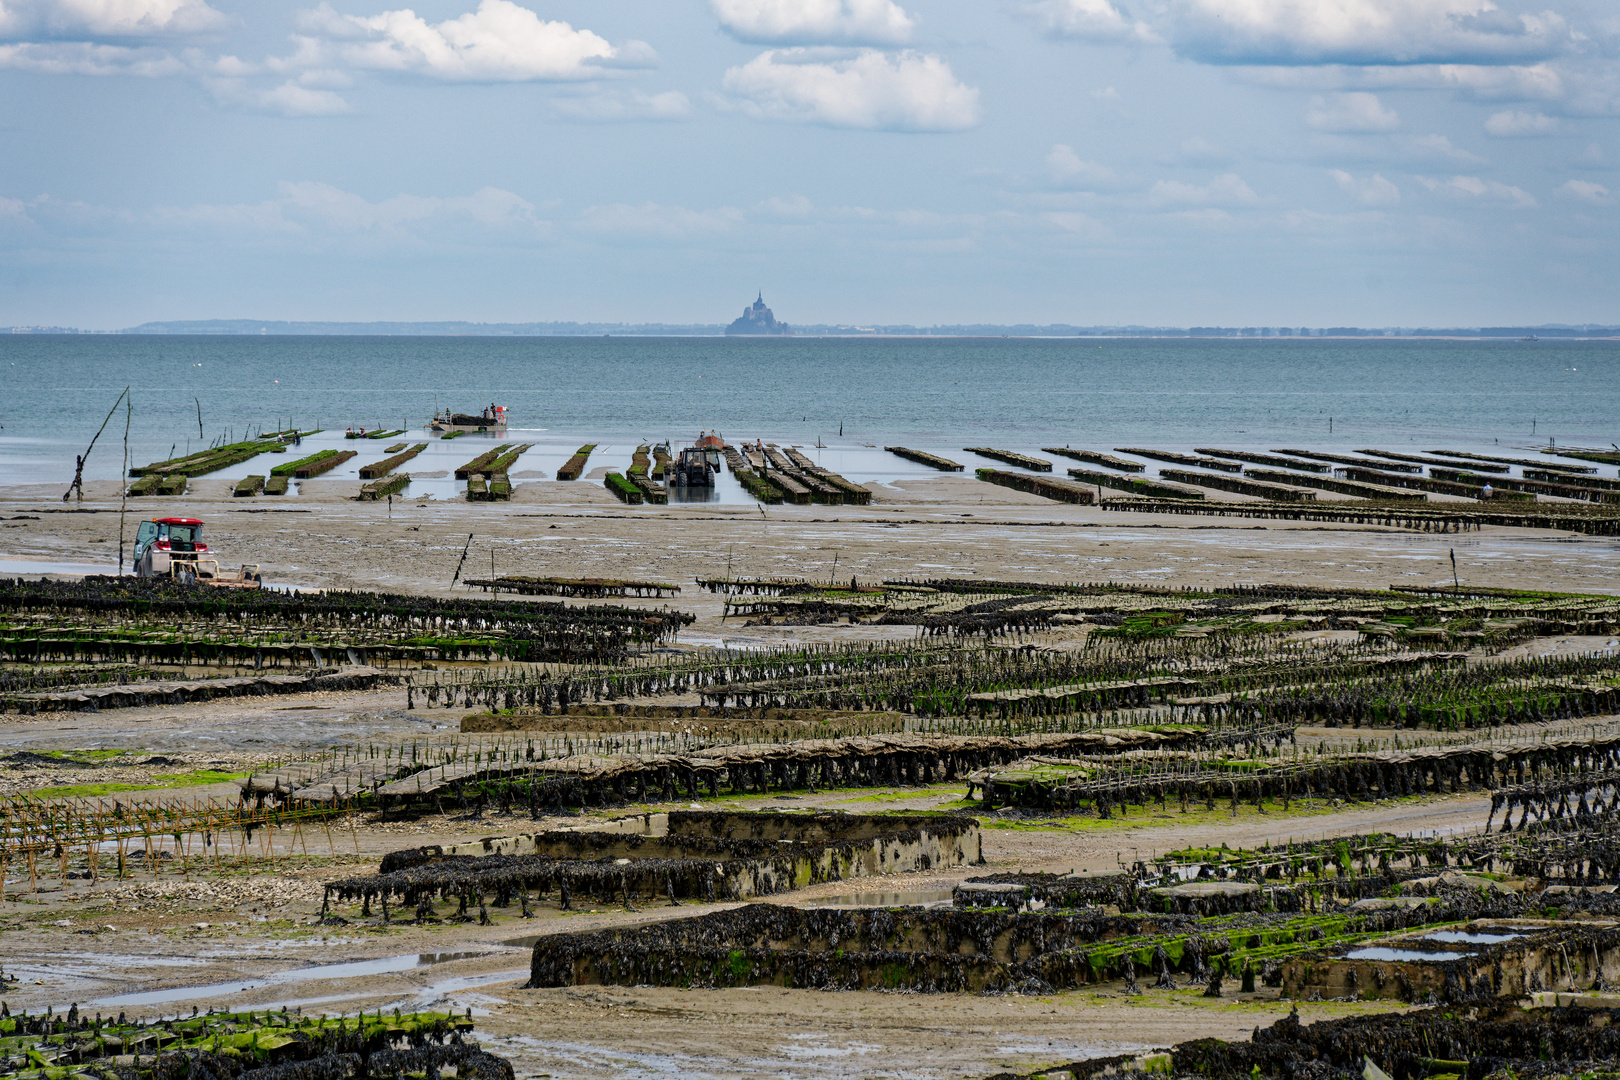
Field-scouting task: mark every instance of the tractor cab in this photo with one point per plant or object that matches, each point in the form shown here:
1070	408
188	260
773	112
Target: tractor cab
173	548
173	534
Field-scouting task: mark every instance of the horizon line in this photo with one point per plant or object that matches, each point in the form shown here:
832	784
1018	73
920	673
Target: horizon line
572	328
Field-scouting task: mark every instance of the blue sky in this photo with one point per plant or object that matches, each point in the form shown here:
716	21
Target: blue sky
1168	162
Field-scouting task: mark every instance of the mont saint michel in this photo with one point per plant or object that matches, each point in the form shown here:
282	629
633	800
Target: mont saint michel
757	319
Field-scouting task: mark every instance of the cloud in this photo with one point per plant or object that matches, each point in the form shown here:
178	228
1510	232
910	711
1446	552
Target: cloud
1475	190
815	22
1356	112
1372	191
794	207
88	58
654	221
1503	82
498	42
1586	191
1198	151
1513	123
1068	170
295	99
905	91
1592	157
303	216
1086	20
1435	147
1077	224
96	19
624	105
315	210
1361	32
1225	190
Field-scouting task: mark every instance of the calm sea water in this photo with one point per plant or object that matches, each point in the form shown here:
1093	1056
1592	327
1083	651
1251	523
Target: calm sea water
940	394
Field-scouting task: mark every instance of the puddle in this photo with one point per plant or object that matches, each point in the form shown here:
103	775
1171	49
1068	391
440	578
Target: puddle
36	567
1379	952
350	970
94	965
927	898
1471	937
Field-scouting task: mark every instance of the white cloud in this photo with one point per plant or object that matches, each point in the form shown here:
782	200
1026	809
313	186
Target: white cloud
624	105
1586	191
1592	157
1225	190
87	58
296	99
1087	20
1077	224
1371	191
310	209
499	42
1514	123
815	22
1068	170
1476	190
1501	82
94	19
1355	112
1289	32
1437	148
906	91
795	207
654	221
1197	151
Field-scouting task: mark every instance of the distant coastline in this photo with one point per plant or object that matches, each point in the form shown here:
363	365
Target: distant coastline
279	328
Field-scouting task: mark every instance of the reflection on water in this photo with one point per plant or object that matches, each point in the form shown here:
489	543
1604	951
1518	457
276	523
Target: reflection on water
1379	952
683	493
1471	937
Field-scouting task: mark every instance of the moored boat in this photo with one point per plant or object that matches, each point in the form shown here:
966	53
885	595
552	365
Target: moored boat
492	418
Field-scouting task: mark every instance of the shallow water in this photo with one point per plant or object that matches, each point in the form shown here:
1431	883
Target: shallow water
29	568
348	970
1379	952
938	395
1470	937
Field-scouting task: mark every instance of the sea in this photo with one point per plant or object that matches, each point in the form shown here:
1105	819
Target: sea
841	399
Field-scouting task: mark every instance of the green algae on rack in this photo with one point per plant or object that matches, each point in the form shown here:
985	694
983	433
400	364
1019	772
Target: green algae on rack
315	464
378	469
623	490
70	1044
385	486
575	466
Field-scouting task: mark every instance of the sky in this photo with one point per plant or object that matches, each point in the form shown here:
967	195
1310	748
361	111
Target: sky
1094	162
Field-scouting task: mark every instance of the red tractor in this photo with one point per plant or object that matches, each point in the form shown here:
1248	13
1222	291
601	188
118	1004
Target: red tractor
172	547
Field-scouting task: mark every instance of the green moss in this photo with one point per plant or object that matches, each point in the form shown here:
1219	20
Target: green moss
191	779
